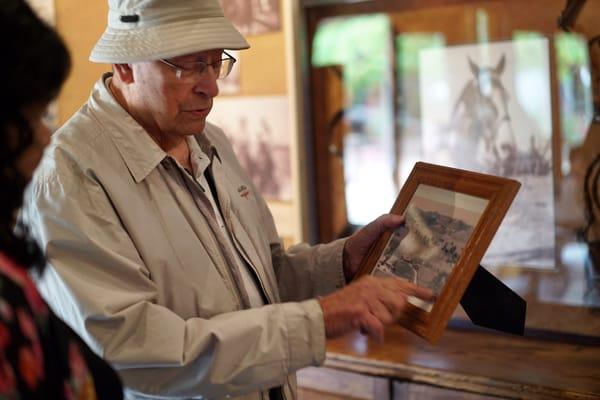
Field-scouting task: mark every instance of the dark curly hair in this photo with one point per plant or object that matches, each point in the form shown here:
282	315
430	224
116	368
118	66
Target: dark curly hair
35	63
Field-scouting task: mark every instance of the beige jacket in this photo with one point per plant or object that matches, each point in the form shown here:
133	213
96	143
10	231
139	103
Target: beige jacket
136	271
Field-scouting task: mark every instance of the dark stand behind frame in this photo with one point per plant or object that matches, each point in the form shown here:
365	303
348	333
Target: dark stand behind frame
490	303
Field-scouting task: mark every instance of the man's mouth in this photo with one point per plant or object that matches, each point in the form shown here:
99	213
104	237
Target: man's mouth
199	112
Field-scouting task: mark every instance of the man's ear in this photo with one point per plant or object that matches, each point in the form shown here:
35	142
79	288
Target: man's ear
124	72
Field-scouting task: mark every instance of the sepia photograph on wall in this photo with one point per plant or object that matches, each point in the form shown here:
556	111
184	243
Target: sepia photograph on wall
253	17
45	9
487	108
258	130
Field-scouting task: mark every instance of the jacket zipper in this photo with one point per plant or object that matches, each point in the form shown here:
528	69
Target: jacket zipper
242	251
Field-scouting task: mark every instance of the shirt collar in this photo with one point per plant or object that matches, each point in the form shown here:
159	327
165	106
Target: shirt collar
140	153
207	147
200	161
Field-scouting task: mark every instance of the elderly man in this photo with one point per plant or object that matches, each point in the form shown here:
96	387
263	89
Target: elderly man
162	253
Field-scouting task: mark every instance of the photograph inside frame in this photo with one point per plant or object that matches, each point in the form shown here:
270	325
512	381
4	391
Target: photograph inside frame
424	250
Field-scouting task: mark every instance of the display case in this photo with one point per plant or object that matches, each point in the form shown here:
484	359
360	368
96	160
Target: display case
501	87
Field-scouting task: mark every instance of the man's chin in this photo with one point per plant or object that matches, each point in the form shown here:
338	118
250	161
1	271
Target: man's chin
195	127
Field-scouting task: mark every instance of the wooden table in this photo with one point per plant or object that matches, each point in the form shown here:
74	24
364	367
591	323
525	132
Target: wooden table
477	362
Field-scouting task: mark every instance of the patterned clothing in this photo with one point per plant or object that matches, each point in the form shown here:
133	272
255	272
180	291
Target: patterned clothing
40	357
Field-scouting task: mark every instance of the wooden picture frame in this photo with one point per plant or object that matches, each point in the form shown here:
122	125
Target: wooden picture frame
451	218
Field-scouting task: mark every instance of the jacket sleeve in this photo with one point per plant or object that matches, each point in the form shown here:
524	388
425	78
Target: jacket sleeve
304	271
97	282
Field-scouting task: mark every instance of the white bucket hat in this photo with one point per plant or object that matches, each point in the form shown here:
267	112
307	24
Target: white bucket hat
145	30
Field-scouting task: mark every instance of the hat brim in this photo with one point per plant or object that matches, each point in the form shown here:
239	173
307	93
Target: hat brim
121	46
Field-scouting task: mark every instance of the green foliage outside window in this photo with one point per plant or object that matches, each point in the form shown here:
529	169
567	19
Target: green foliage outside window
361	45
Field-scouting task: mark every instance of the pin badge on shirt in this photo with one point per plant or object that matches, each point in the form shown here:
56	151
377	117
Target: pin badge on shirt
243	191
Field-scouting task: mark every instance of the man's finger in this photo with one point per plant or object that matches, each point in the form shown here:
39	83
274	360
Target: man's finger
391	221
394	304
384	222
396	284
381	310
372	327
414	290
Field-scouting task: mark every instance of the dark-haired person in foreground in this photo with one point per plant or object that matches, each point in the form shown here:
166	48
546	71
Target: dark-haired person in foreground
40	357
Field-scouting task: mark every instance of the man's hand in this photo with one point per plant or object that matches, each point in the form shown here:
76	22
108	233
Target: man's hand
357	245
368	304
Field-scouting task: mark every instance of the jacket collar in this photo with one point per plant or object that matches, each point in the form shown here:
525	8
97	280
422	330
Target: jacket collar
140	153
207	147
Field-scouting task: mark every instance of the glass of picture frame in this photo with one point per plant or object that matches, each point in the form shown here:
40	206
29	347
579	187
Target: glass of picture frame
451	216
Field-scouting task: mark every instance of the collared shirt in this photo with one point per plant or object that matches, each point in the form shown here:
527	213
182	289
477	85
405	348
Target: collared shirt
136	268
200	164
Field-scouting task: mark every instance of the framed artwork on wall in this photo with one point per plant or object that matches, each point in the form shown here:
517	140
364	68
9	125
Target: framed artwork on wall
258	129
45	10
451	217
253	17
487	108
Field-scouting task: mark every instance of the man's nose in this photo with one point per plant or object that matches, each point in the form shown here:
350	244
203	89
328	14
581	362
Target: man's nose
208	84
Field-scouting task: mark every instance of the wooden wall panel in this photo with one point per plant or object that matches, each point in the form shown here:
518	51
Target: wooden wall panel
329	130
80	23
263	65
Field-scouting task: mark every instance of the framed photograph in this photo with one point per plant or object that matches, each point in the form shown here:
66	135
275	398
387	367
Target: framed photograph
46	11
253	17
258	129
451	218
476	99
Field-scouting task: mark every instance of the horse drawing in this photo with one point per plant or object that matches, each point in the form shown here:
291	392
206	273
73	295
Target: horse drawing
481	125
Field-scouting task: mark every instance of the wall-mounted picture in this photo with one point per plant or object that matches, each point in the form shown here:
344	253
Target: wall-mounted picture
258	129
487	108
44	9
439	223
451	216
253	17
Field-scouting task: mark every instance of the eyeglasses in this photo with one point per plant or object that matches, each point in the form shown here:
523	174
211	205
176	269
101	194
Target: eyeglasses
192	70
